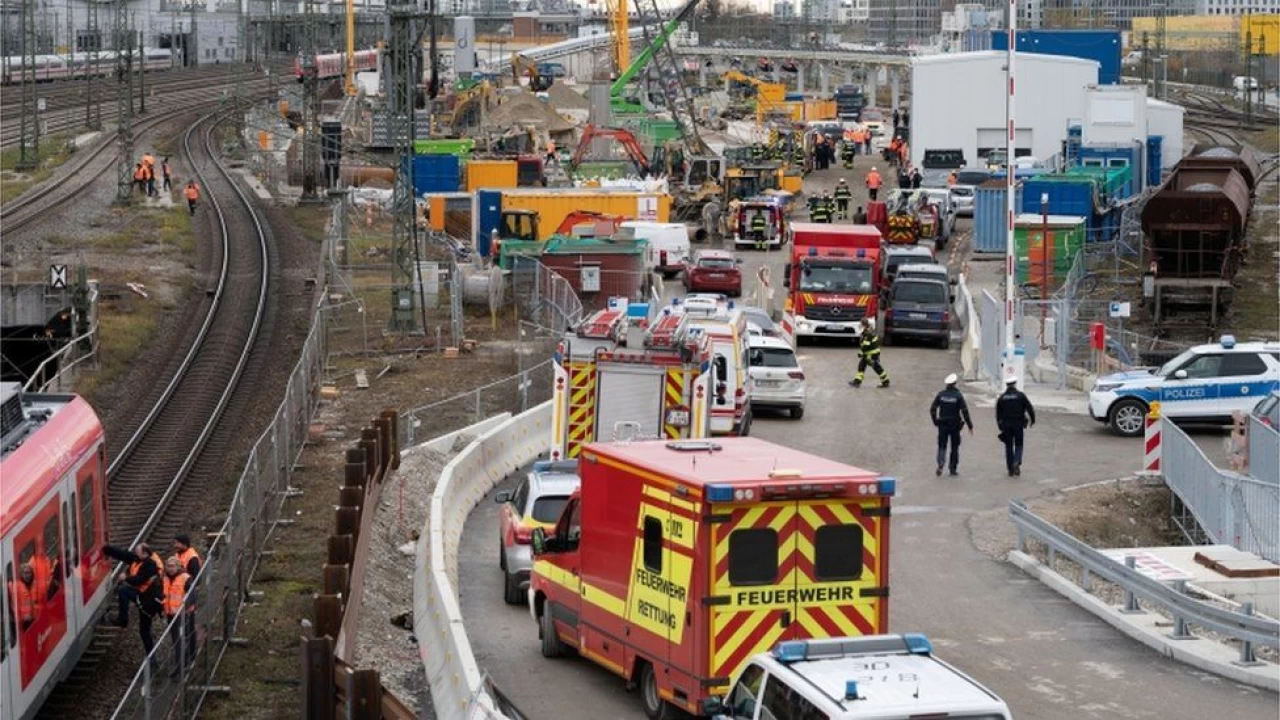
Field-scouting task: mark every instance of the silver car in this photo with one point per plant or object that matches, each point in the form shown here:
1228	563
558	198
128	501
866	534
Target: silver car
536	502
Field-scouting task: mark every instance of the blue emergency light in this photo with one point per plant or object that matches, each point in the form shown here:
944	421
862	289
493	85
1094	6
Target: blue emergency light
813	252
1228	341
719	493
886	485
542	466
851	690
791	651
862	252
917	644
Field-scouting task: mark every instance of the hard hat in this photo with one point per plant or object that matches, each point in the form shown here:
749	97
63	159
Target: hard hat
841	181
871	323
873	167
952	379
1011	380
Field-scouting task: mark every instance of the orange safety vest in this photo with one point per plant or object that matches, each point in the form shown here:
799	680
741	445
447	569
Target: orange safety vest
175	588
148	160
24	600
192	193
186	556
136	566
873	180
139	173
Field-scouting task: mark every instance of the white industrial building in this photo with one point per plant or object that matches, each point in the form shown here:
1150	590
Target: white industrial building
958	102
1165	119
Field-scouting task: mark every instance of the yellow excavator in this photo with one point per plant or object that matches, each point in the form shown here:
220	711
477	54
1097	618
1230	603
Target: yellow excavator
522	66
769	97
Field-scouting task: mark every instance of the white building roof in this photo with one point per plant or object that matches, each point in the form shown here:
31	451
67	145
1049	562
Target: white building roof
987	56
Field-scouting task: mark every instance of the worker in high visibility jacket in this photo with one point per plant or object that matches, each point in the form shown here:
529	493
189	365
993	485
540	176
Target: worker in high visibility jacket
760	230
140	584
869	354
821	212
180	606
186	554
843	194
25	597
192	194
140	177
873	183
846	154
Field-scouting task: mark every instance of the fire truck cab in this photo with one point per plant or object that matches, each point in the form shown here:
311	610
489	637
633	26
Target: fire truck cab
676	561
831	281
621	371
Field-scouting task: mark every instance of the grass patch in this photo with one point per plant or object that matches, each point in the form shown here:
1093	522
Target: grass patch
53	152
175	230
124	328
310	220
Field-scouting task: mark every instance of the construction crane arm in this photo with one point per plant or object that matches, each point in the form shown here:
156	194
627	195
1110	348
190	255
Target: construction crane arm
645	56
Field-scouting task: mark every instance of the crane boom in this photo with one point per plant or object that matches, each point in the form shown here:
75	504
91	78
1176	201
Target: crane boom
644	57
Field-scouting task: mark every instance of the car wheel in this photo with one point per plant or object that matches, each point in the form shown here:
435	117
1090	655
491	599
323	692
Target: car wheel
511	591
502	556
1128	417
946	342
666	275
797	413
551	645
654	706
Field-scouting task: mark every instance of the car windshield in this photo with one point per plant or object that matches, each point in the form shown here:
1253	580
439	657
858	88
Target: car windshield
920	292
716	263
836	278
1168	368
547	508
760	318
773	357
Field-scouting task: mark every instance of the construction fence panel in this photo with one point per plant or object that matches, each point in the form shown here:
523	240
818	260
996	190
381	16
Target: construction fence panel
1232	509
513	394
1264	452
544	297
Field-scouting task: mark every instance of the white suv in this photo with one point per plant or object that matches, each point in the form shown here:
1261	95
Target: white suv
1204	384
777	380
880	677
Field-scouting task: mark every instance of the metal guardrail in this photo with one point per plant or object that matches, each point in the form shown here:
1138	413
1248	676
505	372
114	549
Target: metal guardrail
68	357
1185	609
1264	452
1232	509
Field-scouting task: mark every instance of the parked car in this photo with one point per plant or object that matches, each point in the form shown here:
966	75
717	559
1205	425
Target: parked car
1268	410
777	380
967	182
714	271
758	317
1206	383
536	502
928	271
896	255
918	308
941	198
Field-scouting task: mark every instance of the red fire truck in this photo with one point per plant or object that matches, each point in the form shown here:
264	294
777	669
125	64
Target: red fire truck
620	372
832	280
676	561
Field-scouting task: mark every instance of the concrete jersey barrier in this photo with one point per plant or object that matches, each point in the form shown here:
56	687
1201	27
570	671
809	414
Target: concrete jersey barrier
505	445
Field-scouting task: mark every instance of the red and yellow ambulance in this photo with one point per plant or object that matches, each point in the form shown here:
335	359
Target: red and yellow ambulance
678	560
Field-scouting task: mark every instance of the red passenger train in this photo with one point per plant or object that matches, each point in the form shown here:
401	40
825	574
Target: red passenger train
332	65
53	524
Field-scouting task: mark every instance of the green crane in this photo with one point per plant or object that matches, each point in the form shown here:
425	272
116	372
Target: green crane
628	106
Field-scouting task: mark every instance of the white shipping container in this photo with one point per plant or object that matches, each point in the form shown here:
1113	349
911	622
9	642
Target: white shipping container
1115	115
1165	119
958	99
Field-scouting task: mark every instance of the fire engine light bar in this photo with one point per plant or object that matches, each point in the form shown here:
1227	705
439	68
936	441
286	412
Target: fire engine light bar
791	651
917	644
887	485
719	493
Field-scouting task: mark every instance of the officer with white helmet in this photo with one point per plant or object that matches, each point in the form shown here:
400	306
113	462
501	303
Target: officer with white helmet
949	413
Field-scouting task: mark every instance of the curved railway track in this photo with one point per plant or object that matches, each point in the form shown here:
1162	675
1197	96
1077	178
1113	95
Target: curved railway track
62	116
173	456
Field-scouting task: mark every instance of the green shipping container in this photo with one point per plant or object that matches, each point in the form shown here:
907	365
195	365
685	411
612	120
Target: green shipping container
1045	251
461	147
1111	181
522	248
659	131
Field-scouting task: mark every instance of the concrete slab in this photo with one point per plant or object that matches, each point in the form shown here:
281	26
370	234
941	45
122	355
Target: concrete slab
1153	630
256	187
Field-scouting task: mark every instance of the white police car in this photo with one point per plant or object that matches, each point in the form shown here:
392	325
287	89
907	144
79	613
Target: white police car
874	677
1207	383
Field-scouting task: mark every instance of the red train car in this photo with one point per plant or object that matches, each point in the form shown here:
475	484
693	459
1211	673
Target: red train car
53	524
332	65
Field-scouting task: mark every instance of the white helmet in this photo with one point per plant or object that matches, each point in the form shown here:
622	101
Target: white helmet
871	323
873	168
952	379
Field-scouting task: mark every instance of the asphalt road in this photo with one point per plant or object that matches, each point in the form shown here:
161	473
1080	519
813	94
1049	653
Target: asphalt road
1043	655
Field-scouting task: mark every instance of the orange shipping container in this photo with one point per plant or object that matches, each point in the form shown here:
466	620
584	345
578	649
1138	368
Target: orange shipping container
491	174
554	206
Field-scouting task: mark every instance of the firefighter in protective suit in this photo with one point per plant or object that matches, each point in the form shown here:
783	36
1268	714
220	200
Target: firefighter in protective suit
846	154
843	195
760	230
821	212
869	354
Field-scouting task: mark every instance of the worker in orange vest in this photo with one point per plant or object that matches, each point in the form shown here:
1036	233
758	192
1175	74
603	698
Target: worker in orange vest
179	587
140	177
186	554
193	194
25	596
140	584
873	183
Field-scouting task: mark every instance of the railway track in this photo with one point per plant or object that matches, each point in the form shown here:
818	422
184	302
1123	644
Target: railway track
172	458
65	112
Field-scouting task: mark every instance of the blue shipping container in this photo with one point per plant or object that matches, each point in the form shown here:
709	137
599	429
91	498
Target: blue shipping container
436	174
989	232
488	215
1071	198
1102	46
1155	157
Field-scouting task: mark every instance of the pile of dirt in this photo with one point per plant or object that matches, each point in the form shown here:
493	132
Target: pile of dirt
526	110
564	97
386	607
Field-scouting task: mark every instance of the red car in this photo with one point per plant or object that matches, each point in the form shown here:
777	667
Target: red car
713	271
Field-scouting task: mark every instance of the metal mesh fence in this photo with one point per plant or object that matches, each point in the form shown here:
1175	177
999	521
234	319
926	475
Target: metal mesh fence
513	394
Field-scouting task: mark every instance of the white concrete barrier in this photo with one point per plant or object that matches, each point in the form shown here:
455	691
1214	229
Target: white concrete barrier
502	448
971	348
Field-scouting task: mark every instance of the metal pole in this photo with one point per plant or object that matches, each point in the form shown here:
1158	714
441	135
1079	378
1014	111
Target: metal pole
1044	260
1009	188
1130	599
142	67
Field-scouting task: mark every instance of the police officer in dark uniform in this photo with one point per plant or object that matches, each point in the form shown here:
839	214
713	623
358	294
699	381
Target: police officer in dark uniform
869	354
949	413
1013	411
